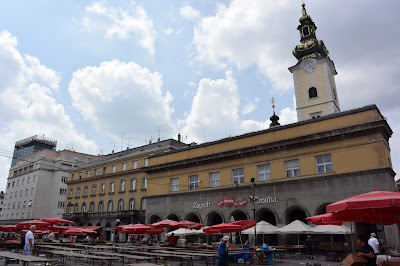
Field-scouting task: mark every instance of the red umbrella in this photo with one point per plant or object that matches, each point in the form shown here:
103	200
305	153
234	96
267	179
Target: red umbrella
196	226
245	224
79	231
133	228
59	228
376	201
38	223
56	220
9	228
166	223
37	232
222	228
359	216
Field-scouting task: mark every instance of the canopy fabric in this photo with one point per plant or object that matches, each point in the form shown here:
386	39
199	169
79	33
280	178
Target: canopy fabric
384	201
353	216
38	223
229	228
295	227
9	228
331	229
57	220
166	223
262	227
183	232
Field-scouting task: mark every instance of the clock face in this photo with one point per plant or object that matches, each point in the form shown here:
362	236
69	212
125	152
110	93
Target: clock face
309	68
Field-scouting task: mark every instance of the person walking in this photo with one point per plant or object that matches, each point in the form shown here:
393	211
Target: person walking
374	243
29	241
310	247
366	251
223	252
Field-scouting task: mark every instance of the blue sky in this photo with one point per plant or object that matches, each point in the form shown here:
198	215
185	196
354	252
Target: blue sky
82	72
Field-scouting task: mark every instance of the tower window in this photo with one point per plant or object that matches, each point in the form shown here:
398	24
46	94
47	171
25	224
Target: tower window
306	31
312	93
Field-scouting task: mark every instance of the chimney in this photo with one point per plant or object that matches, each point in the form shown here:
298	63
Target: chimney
179	137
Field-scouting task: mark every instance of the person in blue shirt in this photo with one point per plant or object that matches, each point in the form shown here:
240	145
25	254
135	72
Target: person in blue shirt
223	251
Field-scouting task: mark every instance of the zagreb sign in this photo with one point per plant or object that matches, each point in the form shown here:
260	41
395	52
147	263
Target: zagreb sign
230	201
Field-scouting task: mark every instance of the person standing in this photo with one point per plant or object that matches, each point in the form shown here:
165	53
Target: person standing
310	247
366	251
29	241
223	252
374	243
172	240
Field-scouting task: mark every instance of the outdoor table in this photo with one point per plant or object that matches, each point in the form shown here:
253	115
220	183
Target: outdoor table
381	259
65	254
128	256
23	258
333	254
276	250
58	248
194	254
159	255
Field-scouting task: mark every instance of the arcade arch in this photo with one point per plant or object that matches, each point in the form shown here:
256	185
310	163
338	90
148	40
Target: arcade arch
193	217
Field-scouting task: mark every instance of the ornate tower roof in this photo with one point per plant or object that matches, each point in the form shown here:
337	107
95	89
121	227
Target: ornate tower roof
309	45
274	118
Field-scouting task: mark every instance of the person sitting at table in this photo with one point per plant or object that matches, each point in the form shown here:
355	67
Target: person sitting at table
172	240
366	251
223	252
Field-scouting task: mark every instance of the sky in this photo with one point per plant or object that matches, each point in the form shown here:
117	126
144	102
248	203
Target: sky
99	75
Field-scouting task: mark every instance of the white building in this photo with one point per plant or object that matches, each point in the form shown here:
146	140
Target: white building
36	185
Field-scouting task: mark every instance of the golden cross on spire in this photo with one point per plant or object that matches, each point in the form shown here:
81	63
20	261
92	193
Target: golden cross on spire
273	103
302	3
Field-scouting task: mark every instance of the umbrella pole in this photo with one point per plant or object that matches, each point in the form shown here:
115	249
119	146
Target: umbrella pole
298	239
384	238
351	236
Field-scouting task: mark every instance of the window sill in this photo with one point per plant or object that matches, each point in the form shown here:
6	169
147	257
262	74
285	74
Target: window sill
77	197
84	196
110	193
92	195
132	190
121	192
143	189
101	194
69	197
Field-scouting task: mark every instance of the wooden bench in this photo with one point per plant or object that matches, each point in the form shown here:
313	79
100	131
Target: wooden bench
65	254
25	259
123	256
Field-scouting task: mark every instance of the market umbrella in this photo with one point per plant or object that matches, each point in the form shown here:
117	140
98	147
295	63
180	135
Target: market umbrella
183	232
331	229
166	223
79	231
38	223
222	228
57	220
352	216
296	227
9	228
263	228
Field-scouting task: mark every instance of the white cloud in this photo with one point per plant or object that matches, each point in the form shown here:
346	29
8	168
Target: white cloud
238	35
131	21
168	31
215	112
248	108
118	96
189	12
26	105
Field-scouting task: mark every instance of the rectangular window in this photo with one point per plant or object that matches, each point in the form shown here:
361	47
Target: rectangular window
146	162
24	204
214	179
76	158
238	176
292	168
144	182
22	215
122	185
64	179
95	172
133	186
70	193
124	167
134	164
194	182
174	184
85	191
264	172
94	190
78	192
113	168
68	157
324	164
32	190
61	204
112	187
103	188
72	177
80	175
89	160
87	174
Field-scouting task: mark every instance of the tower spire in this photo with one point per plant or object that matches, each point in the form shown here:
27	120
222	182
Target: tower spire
274	118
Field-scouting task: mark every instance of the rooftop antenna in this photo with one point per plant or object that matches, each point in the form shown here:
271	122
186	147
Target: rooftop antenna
122	139
204	135
159	131
129	141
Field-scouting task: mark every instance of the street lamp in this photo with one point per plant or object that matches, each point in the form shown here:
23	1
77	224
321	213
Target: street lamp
254	199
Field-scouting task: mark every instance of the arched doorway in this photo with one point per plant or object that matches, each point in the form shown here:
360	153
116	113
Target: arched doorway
193	217
173	217
296	213
108	231
214	218
292	214
154	218
89	224
321	209
268	216
98	224
238	215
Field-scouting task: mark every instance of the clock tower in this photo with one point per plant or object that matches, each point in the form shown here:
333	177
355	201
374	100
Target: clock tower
313	75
